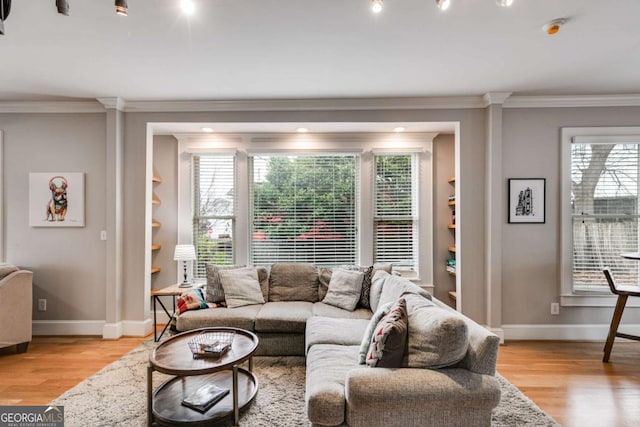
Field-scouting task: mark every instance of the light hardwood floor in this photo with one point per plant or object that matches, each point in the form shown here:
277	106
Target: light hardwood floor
566	379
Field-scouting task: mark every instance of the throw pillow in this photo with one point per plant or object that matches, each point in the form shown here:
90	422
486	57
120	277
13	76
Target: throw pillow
368	333
344	289
366	283
241	287
7	269
389	338
215	293
324	277
193	299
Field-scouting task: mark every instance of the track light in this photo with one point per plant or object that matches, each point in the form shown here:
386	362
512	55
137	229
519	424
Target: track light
121	7
504	3
188	7
63	7
376	6
5	8
443	4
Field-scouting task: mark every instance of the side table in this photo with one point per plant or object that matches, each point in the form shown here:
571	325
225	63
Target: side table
172	291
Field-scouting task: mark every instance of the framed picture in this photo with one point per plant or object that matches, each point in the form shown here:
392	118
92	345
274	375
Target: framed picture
527	200
56	199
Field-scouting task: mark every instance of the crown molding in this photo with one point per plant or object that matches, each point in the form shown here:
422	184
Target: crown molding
113	103
418	103
630	100
491	98
338	104
51	107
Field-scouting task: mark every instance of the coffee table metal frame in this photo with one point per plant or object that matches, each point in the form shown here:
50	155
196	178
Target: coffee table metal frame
174	357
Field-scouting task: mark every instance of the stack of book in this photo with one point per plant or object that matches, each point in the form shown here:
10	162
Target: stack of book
450	266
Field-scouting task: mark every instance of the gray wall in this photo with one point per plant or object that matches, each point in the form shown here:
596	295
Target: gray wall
531	252
68	263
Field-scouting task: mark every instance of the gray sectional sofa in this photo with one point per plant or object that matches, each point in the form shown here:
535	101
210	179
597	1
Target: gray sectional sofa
447	376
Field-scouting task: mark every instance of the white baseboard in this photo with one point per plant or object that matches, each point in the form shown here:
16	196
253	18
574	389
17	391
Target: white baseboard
68	327
564	332
93	327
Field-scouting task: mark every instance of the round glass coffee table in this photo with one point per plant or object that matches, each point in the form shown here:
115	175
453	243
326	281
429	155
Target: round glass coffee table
174	357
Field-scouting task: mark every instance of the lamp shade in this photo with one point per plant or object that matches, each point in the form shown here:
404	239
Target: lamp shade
184	253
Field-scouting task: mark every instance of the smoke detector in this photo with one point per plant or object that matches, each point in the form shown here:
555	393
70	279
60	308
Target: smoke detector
552	27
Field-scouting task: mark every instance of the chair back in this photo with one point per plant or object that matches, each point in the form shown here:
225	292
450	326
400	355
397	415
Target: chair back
612	283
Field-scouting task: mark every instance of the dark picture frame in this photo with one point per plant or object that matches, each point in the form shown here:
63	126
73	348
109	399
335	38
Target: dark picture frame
527	200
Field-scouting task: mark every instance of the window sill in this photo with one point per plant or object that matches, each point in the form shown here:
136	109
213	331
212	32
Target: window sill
594	300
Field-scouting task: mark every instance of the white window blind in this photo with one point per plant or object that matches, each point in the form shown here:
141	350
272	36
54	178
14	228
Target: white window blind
214	208
604	200
395	207
303	208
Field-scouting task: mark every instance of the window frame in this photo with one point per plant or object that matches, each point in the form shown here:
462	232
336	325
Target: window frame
568	295
413	218
365	144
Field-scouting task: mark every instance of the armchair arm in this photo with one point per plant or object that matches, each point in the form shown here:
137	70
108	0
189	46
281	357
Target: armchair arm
16	299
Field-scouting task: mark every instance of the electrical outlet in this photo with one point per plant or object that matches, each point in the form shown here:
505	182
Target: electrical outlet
555	308
103	235
42	304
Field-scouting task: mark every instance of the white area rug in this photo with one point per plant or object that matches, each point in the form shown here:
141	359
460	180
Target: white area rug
116	395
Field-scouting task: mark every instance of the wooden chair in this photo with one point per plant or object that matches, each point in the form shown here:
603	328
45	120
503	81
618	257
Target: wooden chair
623	293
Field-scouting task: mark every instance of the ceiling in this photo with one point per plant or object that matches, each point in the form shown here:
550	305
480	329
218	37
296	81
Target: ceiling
291	49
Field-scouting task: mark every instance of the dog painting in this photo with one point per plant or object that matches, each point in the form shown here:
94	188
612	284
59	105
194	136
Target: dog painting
56	199
57	206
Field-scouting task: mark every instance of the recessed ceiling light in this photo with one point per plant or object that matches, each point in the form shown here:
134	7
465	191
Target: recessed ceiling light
188	7
302	130
443	4
206	129
504	3
399	129
553	27
376	6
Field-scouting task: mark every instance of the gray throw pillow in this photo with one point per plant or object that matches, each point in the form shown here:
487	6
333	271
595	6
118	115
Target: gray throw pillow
368	333
344	289
389	338
241	287
215	293
395	286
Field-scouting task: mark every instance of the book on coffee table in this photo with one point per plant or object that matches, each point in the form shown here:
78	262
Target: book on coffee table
205	397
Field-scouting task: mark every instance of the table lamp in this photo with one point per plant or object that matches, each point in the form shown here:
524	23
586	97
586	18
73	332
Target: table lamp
185	253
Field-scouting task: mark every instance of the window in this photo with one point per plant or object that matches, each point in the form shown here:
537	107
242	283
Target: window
214	210
303	208
600	209
395	208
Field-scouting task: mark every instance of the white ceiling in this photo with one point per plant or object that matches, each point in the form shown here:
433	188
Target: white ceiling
286	49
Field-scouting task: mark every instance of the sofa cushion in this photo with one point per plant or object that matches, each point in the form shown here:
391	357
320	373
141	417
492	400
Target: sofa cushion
241	287
288	317
293	282
389	338
344	289
437	337
241	317
393	287
327	367
365	342
325	310
327	330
